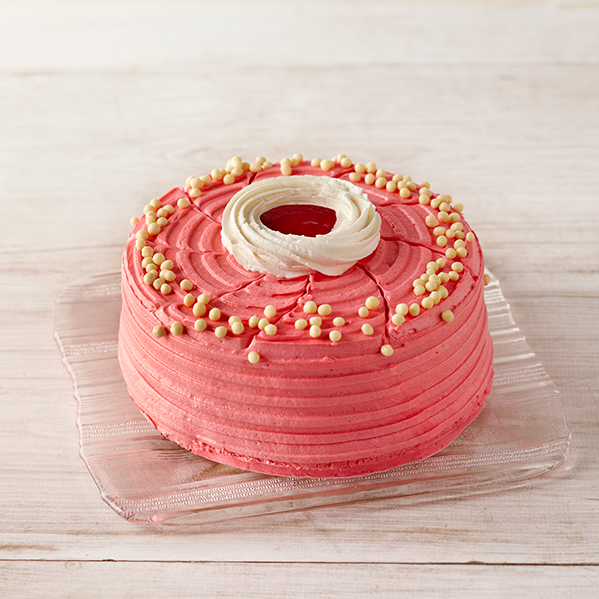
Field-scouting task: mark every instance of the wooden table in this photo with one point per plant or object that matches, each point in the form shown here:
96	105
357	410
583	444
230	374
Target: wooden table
104	105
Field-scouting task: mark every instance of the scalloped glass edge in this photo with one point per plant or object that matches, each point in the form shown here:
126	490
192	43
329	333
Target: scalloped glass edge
520	433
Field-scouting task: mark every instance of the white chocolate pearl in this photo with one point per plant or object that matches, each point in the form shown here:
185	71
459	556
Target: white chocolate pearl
134	220
217	174
204	298
270	329
487	279
367	329
253	357
220	332
459	244
435	202
414	310
401	309
158	258
253	322
189	300
324	309
166	265
186	285
428	303
454	217
150	218
387	350
150	277
424	200
462	252
450	253
454	276
315	162
447	315
443	290
431	286
363	312
286	169
380	182
359	168
444	277
457	226
391	186
450	234
371	167
237	328
183	203
437	231
443	217
398	319
457	267
162	213
444	207
142	233
380	173
436	297
255	167
193	193
140	244
195	182
470	236
153	228
431	221
460	234
338	321
233	319
165	289
176	328
214	314
168	275
147	252
158	283
335	335
266	164
199	309
298	157
310	307
405	193
228	179
458	207
158	331
355	177
326	165
263	323
301	323
162	221
419	290
149	265
441	241
369	179
372	302
316	320
270	311
345	162
440	262
315	331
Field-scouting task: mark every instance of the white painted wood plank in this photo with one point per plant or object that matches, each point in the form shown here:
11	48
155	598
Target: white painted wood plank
72	580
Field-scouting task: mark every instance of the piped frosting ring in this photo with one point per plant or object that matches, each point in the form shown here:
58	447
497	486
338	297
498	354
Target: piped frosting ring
354	236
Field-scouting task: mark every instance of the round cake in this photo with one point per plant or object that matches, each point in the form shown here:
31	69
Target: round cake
317	318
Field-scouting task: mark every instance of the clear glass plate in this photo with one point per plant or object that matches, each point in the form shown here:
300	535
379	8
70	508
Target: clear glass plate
520	433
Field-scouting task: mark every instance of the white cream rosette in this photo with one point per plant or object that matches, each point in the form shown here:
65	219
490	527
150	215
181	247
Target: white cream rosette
354	236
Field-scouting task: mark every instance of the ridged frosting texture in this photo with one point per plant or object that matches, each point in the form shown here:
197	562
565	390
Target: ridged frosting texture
355	234
309	406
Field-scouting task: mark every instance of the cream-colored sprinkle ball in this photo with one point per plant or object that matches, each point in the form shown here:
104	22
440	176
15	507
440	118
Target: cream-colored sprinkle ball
253	357
263	323
158	258
168	275
401	309
155	203
443	290
371	167
134	220
183	203
324	309
150	277
454	276
158	331
458	208
298	157
380	182
217	174
165	289
154	228
255	167
316	320
438	231
310	307
436	297
454	217
233	319
367	329
315	331
253	322
487	279
199	309
444	276
166	265
270	311
450	234
462	252
326	165
470	237
142	234
369	179
158	283
363	312
387	350
391	186
214	314
229	179
200	324
286	168
359	168
140	243
150	218
431	221
186	285
447	315
204	298
405	193
460	243
189	300
428	303
419	281
431	286
315	162
457	267
177	328
147	252
148	208
435	202
457	226
149	265
420	290
372	302
237	328
339	321
398	319
450	253
335	336
220	332
355	177
301	323
196	183
345	162
460	234
266	164
424	200
414	309
194	194
270	329
443	217
162	213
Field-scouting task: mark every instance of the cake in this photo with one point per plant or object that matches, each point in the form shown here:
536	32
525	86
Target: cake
317	318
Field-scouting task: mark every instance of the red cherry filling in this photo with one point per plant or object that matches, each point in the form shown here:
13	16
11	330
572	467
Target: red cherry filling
300	219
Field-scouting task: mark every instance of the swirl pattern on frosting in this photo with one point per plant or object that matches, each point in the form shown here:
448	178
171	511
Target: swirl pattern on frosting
258	248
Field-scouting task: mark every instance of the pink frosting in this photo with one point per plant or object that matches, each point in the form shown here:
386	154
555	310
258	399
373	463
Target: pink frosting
309	407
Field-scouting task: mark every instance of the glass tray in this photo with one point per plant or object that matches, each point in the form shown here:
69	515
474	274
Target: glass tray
520	433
